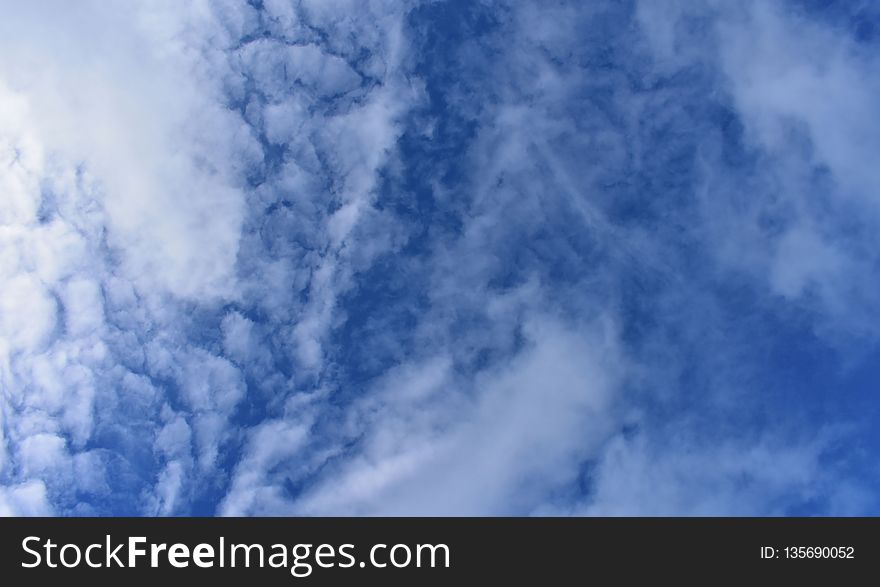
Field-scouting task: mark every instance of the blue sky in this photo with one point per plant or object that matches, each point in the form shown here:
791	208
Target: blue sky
335	257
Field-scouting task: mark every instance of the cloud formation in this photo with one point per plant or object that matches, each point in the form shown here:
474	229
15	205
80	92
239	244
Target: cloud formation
341	257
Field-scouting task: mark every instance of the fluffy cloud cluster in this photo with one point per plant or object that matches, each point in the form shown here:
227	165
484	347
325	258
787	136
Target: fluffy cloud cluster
344	257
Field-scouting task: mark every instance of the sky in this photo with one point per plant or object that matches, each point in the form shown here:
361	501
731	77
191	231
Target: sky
439	257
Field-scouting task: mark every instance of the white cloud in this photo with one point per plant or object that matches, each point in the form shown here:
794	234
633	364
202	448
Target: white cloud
431	443
191	195
803	222
814	77
270	445
125	209
687	476
131	115
83	307
115	181
26	499
27	313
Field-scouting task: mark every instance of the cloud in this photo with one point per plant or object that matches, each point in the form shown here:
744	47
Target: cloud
126	209
801	91
734	477
271	445
434	445
28	499
434	257
137	118
113	209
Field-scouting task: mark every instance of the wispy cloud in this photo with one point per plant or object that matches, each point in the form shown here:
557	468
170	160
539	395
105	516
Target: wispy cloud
437	258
